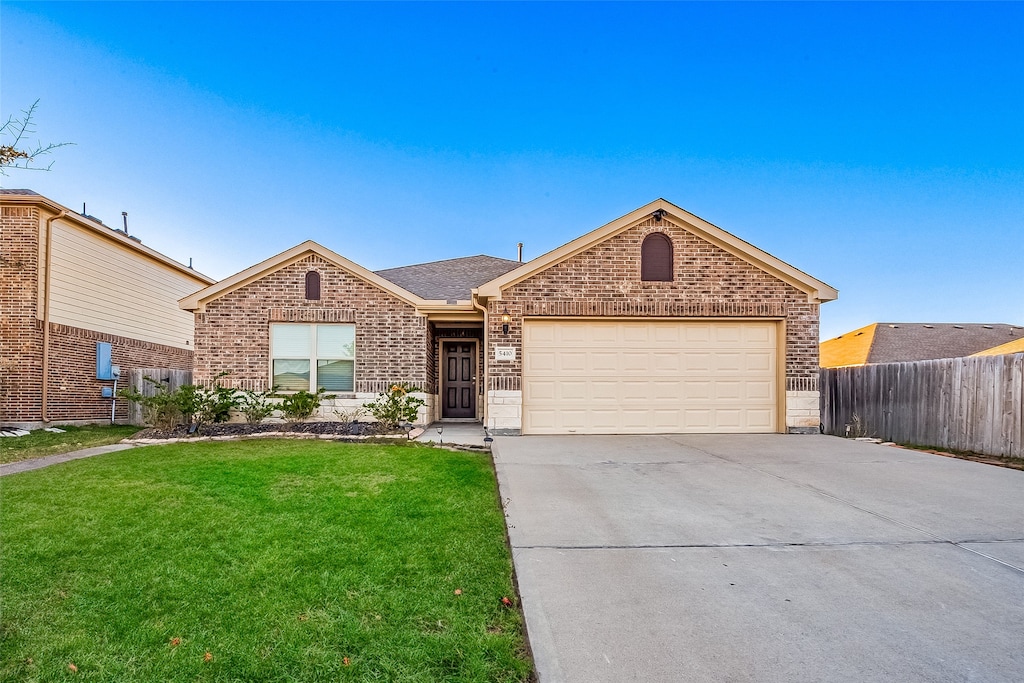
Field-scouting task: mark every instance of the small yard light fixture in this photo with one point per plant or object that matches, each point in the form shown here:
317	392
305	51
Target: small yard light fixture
506	318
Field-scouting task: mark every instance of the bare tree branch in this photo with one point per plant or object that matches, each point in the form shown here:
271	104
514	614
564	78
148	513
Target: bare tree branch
15	152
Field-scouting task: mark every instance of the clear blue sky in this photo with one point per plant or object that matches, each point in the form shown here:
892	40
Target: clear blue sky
877	146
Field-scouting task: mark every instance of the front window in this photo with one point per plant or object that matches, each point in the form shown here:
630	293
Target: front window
320	356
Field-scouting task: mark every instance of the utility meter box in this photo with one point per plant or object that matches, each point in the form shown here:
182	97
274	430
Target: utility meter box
103	362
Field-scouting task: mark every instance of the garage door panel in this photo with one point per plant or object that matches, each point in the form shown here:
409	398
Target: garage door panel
604	390
727	335
608	377
731	391
759	335
571	361
604	334
635	361
697	333
604	361
575	391
693	361
759	361
539	362
759	391
727	362
666	361
539	390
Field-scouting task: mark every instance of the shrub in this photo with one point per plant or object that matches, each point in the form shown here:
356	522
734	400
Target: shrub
302	404
165	409
256	405
396	406
347	417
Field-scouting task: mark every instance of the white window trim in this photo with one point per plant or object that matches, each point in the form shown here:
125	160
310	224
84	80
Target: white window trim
312	359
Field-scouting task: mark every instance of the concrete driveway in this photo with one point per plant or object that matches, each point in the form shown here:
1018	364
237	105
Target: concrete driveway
763	558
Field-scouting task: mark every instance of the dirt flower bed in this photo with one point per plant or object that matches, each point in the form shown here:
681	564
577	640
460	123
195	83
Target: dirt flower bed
245	429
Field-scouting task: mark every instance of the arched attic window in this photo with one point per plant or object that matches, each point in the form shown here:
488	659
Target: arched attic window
656	258
313	285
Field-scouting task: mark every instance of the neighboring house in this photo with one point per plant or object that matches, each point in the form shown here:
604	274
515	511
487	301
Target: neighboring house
657	322
898	342
1015	346
77	298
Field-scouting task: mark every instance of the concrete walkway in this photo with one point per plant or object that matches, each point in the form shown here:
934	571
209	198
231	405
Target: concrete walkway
454	433
763	558
46	461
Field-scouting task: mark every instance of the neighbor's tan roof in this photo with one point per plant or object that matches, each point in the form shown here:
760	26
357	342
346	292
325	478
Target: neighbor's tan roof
900	342
816	290
851	348
1015	346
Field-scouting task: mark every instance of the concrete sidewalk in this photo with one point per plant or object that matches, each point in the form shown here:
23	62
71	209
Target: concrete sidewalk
454	433
763	558
46	461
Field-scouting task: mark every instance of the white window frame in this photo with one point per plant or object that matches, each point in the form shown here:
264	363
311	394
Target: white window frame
312	358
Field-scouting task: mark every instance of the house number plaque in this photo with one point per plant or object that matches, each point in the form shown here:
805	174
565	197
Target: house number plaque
504	353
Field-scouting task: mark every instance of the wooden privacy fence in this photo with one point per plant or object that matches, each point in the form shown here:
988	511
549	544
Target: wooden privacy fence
172	379
965	404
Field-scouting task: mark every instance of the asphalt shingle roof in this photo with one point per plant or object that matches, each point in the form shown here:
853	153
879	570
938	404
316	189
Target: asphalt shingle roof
16	191
899	342
451	279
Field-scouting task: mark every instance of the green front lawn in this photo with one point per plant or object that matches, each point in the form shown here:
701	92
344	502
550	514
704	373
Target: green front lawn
41	442
284	560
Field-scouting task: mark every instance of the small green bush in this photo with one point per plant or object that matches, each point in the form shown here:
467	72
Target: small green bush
256	405
302	404
395	406
166	409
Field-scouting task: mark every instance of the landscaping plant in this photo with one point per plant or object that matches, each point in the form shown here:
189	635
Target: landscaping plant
165	409
256	405
302	404
395	406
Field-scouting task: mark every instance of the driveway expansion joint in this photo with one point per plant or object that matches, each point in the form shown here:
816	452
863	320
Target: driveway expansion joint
683	546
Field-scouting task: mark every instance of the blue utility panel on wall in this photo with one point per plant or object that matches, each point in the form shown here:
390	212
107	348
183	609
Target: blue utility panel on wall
104	367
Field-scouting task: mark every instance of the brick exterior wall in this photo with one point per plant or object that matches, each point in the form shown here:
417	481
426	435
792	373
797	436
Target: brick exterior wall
21	345
74	393
605	281
233	333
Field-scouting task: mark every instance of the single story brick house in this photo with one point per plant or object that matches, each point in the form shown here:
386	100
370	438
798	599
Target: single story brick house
657	322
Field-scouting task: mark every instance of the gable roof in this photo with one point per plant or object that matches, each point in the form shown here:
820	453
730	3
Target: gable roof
1015	346
198	301
450	279
816	290
900	342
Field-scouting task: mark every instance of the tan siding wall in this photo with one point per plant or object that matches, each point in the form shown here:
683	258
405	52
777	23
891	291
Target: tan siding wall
100	285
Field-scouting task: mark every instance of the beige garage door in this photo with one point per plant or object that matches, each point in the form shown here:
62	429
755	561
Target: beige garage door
637	377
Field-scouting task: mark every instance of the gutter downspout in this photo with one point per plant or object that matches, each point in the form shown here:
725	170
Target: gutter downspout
46	315
483	368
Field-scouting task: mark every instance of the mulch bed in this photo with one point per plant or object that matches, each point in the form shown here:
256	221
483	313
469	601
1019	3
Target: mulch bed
244	429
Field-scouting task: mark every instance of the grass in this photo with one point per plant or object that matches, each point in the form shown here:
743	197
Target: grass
278	558
40	442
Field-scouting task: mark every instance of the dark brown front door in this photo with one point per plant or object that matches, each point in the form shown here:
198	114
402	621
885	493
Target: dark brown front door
459	368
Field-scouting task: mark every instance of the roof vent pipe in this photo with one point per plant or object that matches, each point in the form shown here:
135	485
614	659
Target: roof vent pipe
124	215
520	245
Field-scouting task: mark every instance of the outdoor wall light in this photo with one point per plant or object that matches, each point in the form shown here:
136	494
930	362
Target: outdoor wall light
505	320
